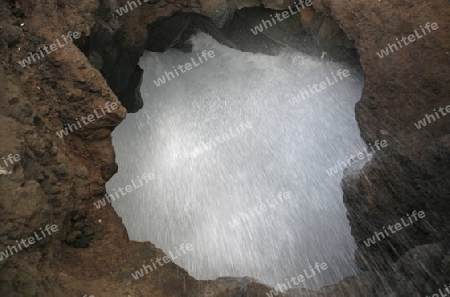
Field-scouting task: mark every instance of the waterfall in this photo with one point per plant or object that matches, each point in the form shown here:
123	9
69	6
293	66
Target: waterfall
241	147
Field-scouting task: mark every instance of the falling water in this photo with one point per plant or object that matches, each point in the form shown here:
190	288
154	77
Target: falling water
272	139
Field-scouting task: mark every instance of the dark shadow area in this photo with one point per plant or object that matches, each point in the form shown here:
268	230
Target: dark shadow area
118	61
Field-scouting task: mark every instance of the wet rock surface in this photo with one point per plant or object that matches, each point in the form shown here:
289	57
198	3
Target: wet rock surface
57	180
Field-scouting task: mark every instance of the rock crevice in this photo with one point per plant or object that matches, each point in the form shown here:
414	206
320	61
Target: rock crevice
58	179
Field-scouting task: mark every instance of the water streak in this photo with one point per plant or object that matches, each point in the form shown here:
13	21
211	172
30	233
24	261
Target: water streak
288	149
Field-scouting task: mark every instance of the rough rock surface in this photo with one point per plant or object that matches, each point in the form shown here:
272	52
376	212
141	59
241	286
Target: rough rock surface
412	173
57	179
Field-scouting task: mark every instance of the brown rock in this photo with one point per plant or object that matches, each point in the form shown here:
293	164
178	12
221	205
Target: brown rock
58	179
11	34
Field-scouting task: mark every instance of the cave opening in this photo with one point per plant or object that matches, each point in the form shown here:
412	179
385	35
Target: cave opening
238	149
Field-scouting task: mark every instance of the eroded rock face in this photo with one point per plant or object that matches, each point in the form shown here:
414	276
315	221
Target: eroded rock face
58	179
418	182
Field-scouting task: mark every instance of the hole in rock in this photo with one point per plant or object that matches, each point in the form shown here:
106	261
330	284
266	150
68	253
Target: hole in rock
241	147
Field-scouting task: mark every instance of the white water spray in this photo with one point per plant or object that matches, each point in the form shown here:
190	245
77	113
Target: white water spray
291	143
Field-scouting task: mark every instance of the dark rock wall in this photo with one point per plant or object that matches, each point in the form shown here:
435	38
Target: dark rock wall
412	173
